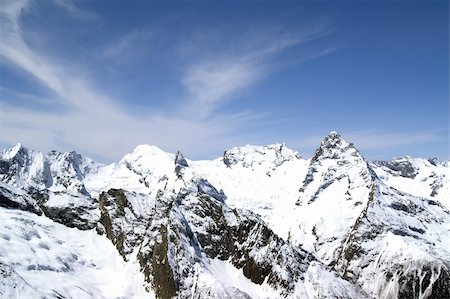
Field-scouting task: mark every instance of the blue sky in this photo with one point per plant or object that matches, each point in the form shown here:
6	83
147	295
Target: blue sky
101	77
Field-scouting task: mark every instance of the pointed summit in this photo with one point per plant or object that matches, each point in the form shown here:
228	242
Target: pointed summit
180	160
180	164
333	146
337	186
12	152
22	167
333	140
335	160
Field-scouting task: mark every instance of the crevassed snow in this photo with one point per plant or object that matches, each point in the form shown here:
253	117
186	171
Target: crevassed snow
59	261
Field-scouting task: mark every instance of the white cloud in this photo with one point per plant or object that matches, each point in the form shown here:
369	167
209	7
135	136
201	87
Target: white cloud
212	83
91	122
126	43
216	78
76	11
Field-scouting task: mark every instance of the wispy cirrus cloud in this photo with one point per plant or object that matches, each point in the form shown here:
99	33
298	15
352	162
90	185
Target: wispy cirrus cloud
126	44
210	84
76	11
216	79
92	121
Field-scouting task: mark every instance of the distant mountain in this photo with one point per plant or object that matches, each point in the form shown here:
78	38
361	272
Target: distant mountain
259	222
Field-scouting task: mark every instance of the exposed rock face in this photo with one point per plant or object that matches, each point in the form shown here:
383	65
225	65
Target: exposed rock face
191	226
180	160
180	164
420	177
242	238
186	228
383	233
400	167
13	198
22	167
122	224
430	281
31	170
363	237
53	184
336	188
79	217
389	247
74	168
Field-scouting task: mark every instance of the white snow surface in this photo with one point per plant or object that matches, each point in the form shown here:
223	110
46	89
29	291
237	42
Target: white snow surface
430	177
50	259
312	202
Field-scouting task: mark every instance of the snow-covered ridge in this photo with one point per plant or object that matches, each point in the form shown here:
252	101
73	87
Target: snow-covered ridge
427	178
333	194
251	155
25	168
258	222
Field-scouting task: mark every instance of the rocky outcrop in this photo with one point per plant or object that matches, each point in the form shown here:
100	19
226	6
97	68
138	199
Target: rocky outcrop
119	220
79	217
336	188
379	228
399	167
187	229
13	198
388	247
189	242
32	170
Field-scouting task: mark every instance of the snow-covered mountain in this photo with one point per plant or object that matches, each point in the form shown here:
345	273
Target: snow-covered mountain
259	222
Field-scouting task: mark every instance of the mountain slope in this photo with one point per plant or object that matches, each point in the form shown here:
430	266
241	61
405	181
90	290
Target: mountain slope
343	218
398	247
427	178
160	217
259	222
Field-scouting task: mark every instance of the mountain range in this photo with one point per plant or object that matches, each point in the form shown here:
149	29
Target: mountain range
258	222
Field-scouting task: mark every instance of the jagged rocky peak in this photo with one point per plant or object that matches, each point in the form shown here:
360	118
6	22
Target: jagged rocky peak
57	171
184	238
66	171
180	164
336	159
333	146
12	152
81	165
251	155
17	153
180	160
23	167
433	161
337	187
